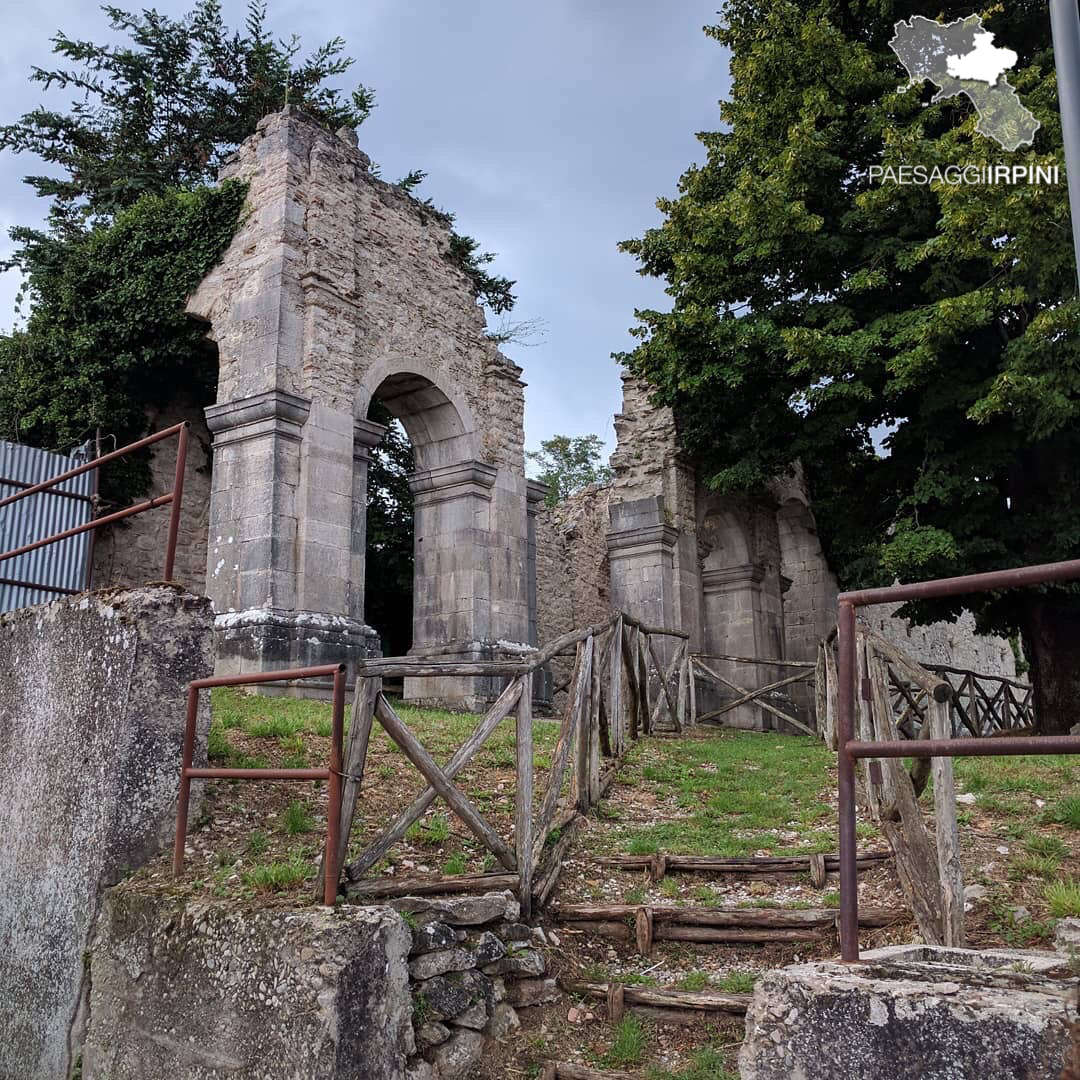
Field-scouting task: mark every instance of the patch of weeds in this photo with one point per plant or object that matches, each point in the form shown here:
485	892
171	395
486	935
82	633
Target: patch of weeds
455	865
297	818
1018	934
275	876
737	982
693	982
633	979
278	726
257	843
628	1044
830	899
1065	811
386	772
488	864
1063	898
217	745
760	903
1029	866
706	1063
706	894
669	887
635	895
421	1008
409	919
1053	847
865	831
435	831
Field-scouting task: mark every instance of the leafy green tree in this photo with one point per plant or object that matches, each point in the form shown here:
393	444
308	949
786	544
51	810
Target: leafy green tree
567	463
132	227
815	312
388	578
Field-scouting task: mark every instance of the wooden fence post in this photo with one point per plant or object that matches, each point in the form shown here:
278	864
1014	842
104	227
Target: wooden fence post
523	805
581	705
946	834
615	719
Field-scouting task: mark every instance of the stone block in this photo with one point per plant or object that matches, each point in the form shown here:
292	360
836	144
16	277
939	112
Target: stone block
910	1013
457	1057
206	990
428	965
461	910
91	729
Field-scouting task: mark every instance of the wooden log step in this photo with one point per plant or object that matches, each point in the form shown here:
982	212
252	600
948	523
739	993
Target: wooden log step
705	1001
565	1071
426	886
776	918
720	864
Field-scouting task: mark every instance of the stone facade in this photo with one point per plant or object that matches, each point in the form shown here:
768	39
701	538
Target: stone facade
742	578
338	289
91	728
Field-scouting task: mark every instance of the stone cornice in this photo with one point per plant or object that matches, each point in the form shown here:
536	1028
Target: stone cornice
732	576
643	540
445	482
273	412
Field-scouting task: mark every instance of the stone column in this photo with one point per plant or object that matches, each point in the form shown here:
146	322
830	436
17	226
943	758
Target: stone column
452	596
265	574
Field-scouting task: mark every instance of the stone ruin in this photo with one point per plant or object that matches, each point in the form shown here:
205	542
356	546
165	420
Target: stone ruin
338	290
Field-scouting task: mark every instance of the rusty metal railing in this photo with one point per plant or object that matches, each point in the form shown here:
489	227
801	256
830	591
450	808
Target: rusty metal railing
173	498
331	774
849	749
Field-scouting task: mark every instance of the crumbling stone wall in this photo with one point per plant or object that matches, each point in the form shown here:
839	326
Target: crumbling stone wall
572	571
357	993
92	705
741	577
340	288
132	552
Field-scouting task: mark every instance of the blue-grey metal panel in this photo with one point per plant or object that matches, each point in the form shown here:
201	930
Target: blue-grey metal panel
65	563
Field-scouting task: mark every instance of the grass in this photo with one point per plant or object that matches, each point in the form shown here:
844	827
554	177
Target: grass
455	865
1065	811
1063	898
275	876
1052	847
297	818
737	982
715	805
694	982
627	1045
706	1063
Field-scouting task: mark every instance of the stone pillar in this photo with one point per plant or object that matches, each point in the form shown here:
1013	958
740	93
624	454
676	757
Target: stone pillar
743	617
280	590
641	551
452	595
535	494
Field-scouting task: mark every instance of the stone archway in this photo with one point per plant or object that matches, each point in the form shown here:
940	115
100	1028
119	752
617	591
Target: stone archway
339	287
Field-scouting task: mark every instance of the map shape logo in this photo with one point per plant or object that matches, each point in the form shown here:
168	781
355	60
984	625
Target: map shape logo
961	58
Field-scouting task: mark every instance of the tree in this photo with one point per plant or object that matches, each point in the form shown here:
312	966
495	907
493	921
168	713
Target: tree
148	125
388	576
567	463
815	312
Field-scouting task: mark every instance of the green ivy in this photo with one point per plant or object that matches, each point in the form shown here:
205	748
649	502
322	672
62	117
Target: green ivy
107	334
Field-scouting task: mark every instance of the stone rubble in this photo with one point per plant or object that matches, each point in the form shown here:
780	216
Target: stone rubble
467	984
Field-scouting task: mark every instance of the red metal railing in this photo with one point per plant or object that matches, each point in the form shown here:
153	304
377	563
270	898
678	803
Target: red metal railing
173	498
849	749
331	774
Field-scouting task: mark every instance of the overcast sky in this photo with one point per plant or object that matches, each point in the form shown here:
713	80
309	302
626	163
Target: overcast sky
548	128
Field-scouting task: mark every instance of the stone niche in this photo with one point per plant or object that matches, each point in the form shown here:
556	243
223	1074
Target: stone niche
337	290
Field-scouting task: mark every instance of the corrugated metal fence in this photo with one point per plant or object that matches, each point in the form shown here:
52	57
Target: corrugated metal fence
57	568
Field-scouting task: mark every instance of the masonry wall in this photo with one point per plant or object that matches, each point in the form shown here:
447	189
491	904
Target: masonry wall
132	552
92	704
572	572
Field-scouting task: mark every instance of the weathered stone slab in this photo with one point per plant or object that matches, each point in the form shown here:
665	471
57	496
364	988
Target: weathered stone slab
910	1013
461	910
205	990
92	705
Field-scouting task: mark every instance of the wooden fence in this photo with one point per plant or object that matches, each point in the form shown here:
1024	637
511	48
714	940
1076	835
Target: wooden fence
928	864
769	696
620	690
